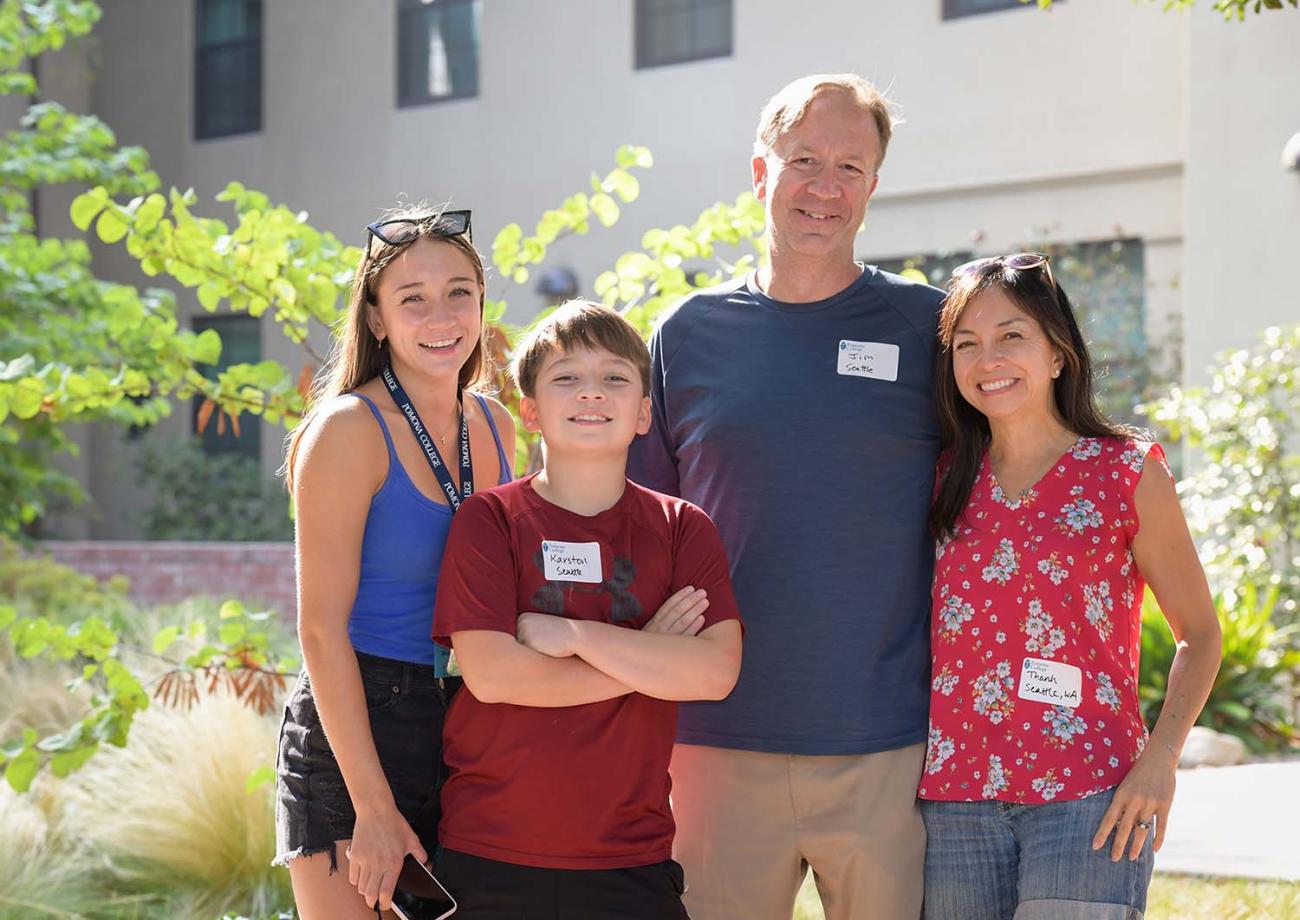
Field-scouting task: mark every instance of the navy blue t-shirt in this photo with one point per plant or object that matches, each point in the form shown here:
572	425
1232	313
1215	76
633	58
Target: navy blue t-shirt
779	420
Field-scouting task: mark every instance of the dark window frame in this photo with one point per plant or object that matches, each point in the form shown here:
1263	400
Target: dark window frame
202	50
407	101
956	9
249	441
642	59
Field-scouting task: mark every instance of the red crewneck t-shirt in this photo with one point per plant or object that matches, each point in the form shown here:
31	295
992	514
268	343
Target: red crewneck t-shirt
578	787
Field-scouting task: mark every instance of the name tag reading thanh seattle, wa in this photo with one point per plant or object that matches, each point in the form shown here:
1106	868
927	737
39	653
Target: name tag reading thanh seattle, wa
572	562
1053	682
876	360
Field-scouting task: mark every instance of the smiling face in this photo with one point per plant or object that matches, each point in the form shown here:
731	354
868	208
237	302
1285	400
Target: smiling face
818	176
428	309
1003	362
586	400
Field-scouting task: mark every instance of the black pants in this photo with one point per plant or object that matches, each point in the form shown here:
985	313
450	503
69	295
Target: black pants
485	889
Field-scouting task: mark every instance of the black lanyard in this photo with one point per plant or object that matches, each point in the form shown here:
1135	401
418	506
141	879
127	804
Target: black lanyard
430	450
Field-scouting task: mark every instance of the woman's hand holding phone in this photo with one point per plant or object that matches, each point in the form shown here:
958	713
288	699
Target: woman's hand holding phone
380	841
419	895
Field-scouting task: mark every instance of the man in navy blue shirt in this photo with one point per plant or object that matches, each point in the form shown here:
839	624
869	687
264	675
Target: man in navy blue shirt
794	406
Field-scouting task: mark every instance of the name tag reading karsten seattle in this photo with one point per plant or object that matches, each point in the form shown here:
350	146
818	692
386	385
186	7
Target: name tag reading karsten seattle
572	562
876	360
1053	682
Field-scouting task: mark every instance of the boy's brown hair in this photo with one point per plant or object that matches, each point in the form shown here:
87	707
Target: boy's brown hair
579	324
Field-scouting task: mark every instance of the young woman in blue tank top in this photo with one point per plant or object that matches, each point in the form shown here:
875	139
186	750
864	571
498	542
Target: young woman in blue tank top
396	436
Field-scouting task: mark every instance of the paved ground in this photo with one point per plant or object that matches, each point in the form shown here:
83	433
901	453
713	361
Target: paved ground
1236	821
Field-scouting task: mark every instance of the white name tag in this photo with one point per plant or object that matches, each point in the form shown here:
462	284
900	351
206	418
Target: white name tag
572	562
877	360
1051	682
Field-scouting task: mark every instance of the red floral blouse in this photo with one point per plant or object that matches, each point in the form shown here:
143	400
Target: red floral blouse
1035	631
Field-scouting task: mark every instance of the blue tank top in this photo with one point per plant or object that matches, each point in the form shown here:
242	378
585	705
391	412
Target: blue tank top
401	554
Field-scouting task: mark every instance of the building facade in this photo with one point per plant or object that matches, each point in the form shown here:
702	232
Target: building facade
1142	146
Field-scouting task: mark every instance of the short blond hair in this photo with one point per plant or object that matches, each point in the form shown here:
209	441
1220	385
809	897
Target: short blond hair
784	110
579	324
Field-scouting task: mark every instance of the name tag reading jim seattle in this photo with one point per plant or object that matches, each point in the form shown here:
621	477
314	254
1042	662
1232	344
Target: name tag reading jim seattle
877	360
572	562
1051	682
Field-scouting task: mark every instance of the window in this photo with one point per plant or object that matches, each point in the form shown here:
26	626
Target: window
241	343
228	68
955	9
1106	284
676	31
437	50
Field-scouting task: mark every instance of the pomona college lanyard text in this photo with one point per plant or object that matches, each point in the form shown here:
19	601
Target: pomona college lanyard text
430	450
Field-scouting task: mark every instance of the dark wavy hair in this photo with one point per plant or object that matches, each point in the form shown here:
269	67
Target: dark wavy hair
964	428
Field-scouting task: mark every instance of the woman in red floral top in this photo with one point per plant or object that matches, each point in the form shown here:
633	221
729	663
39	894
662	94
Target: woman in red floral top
1039	775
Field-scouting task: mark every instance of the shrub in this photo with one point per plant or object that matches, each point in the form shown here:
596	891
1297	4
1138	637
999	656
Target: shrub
1243	500
1251	694
178	824
41	873
201	496
203	848
35	584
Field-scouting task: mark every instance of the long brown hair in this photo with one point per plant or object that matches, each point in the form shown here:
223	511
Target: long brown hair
964	428
356	355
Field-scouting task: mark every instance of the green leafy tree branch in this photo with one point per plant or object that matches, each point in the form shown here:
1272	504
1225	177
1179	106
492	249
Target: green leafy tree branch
239	657
1229	9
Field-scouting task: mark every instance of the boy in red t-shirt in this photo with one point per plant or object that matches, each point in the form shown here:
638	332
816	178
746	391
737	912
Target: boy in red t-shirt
556	800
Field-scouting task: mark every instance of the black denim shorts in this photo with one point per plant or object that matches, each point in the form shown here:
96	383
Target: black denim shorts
406	705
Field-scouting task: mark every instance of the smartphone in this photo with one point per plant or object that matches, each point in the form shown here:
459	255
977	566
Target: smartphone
420	896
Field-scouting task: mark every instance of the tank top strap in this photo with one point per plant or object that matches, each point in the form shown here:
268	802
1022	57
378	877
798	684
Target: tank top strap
507	468
374	410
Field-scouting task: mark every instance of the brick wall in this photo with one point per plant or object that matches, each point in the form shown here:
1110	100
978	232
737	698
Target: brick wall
164	572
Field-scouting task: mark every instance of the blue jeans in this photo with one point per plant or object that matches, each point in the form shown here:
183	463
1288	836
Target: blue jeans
998	861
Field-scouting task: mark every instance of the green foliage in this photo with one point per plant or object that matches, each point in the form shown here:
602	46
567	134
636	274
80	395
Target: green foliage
642	284
204	848
33	584
202	496
103	842
72	348
512	252
1254	693
271	259
51	613
103	351
1230	9
30	28
1244	497
724	242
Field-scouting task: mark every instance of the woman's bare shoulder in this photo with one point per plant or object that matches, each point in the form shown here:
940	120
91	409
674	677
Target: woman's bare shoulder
342	439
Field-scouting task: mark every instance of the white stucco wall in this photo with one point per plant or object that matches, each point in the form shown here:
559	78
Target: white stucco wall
1243	209
1101	118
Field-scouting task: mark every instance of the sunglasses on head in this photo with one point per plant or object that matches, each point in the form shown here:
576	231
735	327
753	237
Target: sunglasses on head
1020	261
398	231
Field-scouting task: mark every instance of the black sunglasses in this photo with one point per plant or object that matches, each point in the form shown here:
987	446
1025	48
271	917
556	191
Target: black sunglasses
1020	261
398	231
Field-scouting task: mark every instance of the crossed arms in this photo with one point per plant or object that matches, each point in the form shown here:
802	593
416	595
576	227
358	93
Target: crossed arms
554	661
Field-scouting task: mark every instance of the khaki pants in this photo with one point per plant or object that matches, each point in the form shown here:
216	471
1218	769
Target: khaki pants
749	826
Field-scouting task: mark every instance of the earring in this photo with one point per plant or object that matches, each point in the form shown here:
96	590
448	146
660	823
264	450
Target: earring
1056	373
